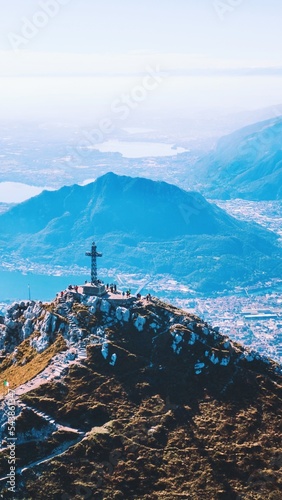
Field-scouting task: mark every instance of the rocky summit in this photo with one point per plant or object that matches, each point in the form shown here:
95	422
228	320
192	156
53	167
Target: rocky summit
131	398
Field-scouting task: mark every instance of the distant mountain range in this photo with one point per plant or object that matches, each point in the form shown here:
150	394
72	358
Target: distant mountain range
141	225
245	164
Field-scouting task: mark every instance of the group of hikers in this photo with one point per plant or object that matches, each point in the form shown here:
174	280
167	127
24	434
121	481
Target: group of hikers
63	293
113	289
127	293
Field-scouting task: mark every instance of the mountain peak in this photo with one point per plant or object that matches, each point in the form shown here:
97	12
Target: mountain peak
128	386
156	228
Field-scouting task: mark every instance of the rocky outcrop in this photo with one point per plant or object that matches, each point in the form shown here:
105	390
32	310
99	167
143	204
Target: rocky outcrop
93	320
19	324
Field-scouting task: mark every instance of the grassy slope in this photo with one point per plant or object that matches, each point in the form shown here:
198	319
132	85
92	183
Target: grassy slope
18	373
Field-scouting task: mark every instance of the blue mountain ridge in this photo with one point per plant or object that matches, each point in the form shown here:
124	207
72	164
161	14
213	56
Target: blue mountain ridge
140	225
245	164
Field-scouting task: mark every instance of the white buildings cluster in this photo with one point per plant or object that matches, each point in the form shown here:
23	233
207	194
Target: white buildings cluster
254	321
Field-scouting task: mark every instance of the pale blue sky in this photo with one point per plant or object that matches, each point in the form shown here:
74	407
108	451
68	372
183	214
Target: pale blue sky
250	32
121	37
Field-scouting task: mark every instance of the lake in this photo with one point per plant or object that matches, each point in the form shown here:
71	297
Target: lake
17	286
137	149
16	192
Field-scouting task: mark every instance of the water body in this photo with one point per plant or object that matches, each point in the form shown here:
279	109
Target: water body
16	192
17	286
136	149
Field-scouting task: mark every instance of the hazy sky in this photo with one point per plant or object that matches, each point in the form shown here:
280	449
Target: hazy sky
249	31
216	53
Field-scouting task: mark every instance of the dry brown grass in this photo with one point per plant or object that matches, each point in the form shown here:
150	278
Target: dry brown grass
18	374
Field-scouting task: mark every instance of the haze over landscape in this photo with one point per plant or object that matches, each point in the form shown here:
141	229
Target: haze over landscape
153	129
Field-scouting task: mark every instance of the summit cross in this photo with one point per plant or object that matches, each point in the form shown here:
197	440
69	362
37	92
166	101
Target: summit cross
93	254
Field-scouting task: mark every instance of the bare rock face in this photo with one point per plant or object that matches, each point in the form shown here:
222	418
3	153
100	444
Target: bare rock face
18	324
122	314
